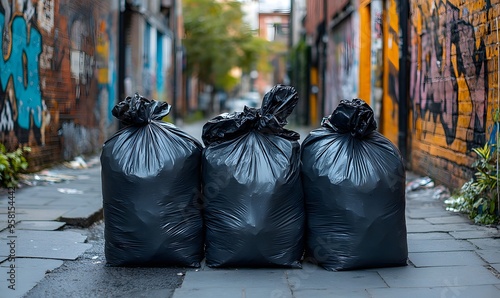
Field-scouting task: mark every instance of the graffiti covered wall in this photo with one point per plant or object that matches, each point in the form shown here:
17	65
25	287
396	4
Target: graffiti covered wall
453	84
57	76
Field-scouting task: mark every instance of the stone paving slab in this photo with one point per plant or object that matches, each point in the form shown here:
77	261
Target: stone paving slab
28	272
431	212
485	291
25	201
73	200
487	243
452	219
35	213
279	291
341	280
40	225
410	277
429	236
416	221
483	233
424	194
3	225
490	256
62	245
425	205
244	278
84	216
265	282
330	293
445	258
439	228
496	267
438	245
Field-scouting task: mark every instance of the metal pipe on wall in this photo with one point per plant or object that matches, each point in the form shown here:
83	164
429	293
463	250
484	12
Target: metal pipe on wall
404	60
324	65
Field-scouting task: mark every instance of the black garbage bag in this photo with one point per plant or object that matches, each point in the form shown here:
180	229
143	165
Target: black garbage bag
354	186
151	177
254	208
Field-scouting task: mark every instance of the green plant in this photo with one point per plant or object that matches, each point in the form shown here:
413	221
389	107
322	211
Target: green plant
11	165
478	197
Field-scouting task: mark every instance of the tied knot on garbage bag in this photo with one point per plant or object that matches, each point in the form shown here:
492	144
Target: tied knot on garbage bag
151	171
254	211
138	110
351	116
354	192
277	105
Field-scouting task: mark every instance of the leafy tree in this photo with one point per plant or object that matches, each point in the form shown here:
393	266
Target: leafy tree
218	40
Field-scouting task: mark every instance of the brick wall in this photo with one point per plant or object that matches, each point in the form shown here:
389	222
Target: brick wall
453	85
58	74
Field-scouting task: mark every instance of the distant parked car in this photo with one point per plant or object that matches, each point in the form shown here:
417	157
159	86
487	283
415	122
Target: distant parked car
253	96
238	104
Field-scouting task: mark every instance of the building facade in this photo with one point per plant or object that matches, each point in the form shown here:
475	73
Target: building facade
61	75
428	68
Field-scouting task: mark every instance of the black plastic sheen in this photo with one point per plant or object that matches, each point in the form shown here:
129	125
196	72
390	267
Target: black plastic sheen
254	208
354	184
151	177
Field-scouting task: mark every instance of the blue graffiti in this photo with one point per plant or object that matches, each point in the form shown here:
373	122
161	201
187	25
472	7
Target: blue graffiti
493	135
114	78
24	71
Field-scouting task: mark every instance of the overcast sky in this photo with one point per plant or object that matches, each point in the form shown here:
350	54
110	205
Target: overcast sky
270	5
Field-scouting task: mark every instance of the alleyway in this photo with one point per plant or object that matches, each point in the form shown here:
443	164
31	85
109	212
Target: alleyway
448	256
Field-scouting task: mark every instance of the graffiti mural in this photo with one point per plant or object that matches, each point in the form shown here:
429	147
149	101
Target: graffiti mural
449	67
46	14
58	73
56	86
82	57
21	105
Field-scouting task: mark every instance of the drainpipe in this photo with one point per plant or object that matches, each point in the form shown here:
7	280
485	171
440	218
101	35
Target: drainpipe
404	59
175	81
121	53
324	40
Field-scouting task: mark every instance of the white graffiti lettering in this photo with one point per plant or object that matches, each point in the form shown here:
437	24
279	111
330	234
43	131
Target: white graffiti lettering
46	14
46	57
6	121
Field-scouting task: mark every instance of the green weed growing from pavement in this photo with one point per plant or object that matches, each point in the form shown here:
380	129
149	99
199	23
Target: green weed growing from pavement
11	165
478	197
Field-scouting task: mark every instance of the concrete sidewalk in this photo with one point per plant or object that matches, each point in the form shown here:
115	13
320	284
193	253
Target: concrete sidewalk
448	256
56	197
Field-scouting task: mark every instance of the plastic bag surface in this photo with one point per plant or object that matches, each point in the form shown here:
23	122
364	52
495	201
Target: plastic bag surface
254	208
151	175
354	185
